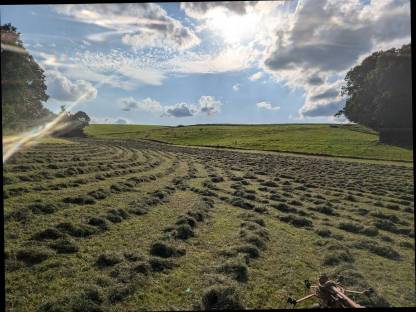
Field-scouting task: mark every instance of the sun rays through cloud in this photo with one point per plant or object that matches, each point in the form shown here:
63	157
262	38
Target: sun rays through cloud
234	28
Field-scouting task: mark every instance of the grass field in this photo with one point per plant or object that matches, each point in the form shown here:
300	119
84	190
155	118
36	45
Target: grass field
119	225
43	140
332	140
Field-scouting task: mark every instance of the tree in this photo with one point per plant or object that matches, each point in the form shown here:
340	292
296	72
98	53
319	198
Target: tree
379	95
22	83
82	118
73	124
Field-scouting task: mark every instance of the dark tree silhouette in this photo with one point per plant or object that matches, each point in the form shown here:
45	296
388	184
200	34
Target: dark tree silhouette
81	117
379	94
72	125
22	83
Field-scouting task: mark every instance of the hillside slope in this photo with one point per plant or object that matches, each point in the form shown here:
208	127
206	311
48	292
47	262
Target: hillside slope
319	139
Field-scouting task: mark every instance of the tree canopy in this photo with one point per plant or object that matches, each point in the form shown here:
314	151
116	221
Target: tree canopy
379	93
22	83
73	124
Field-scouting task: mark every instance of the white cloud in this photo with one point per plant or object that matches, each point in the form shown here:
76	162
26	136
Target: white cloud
85	42
52	61
248	24
174	36
135	68
321	109
231	58
138	24
148	75
326	37
201	10
180	110
130	70
208	105
110	120
256	76
121	121
148	105
267	106
127	71
236	87
242	30
61	88
323	100
138	67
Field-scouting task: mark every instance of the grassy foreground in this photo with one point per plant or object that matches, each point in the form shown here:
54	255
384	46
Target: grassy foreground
323	139
118	225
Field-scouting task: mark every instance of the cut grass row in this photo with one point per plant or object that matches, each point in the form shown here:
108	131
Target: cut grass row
286	187
105	241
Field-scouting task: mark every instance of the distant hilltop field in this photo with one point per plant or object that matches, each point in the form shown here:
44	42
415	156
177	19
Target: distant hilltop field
347	140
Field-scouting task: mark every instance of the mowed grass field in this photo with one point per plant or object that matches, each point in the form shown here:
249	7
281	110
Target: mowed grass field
323	139
128	225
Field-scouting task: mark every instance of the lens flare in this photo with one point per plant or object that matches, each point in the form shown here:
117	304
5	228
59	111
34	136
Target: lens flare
15	143
13	48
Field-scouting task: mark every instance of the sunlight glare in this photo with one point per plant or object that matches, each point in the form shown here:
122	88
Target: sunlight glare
234	28
15	143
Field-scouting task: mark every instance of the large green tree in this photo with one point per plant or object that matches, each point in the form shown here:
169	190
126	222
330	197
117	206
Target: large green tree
22	83
379	94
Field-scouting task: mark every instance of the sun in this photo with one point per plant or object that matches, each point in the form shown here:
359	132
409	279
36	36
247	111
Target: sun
234	28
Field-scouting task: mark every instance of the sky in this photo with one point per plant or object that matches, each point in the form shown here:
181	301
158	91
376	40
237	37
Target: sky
206	62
